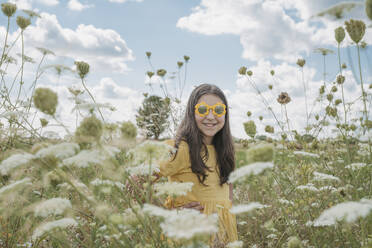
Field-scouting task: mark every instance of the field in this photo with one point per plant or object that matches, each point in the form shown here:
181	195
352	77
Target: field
94	187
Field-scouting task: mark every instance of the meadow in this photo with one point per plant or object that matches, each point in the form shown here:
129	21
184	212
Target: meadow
292	188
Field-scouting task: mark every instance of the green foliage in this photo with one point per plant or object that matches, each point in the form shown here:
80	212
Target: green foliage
153	115
260	153
128	130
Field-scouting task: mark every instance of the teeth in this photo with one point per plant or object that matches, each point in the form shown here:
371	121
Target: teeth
209	125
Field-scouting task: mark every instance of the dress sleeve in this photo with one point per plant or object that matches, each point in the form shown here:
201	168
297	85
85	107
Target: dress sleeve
177	161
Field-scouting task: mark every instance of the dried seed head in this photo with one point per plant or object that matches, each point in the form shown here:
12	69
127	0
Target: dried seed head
148	54
301	62
150	74
329	97
355	29
82	68
323	51
321	90
338	101
186	58
161	72
8	9
317	117
363	44
249	73
179	64
343	66
272	72
283	98
353	127
269	129
45	100
340	79
250	128
339	34
43	122
260	117
334	88
90	127
270	86
249	113
23	22
242	70
331	111
370	86
369	9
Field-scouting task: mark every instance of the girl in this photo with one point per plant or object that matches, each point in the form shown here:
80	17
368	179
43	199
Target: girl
205	156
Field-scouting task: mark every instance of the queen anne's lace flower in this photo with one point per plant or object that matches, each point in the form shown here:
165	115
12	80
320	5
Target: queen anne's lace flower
306	154
235	244
173	188
321	176
255	169
61	151
84	158
54	206
247	207
49	226
98	182
14	185
184	223
14	161
350	211
143	169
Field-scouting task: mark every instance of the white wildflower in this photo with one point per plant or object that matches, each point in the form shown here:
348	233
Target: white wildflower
49	226
111	150
308	186
235	244
242	223
151	151
98	182
355	166
61	151
84	158
173	188
14	161
247	207
184	223
321	176
350	211
271	236
54	206
285	201
51	135
143	169
306	154
91	106
328	188
255	169
14	185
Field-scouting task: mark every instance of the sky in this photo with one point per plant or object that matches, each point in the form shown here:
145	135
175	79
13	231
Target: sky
219	36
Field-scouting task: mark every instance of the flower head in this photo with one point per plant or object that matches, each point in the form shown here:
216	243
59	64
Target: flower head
355	29
8	9
54	206
82	68
301	62
173	188
161	72
90	127
369	9
283	98
339	34
49	226
250	128
242	70
14	161
23	22
45	100
252	169
60	151
238	209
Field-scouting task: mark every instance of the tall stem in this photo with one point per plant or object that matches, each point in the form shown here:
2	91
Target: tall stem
23	63
363	92
342	85
6	40
307	113
91	96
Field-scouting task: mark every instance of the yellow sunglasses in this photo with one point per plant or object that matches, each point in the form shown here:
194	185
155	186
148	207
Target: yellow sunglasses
202	109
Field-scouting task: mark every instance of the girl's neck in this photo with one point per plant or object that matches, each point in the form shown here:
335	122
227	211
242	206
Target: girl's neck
208	140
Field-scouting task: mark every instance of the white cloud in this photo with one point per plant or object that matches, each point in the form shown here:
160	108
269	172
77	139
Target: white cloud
123	1
22	4
77	6
49	2
103	49
268	29
288	78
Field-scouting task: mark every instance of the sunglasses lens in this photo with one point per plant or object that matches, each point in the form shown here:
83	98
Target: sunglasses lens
202	109
219	109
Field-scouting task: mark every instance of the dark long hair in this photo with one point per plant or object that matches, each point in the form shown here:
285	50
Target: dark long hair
222	141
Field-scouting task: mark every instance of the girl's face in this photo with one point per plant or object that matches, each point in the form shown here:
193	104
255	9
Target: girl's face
209	124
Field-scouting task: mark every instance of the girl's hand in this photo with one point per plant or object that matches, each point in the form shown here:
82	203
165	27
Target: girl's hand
194	205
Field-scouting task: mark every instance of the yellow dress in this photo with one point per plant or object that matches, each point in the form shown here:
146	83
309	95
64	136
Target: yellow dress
214	198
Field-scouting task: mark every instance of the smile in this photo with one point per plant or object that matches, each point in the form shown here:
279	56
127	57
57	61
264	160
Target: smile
209	125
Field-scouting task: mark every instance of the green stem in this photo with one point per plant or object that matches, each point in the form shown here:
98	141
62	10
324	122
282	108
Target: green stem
6	39
363	92
91	96
307	113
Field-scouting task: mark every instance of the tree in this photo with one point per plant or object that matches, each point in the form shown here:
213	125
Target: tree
153	115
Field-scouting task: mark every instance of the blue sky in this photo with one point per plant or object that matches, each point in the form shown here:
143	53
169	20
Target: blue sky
218	35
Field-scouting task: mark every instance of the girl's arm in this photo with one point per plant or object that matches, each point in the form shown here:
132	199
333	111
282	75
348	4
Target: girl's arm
231	192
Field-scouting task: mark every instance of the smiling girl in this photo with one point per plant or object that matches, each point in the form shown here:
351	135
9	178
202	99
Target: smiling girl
205	157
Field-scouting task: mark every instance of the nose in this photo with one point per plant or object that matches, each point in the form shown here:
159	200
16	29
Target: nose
210	115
